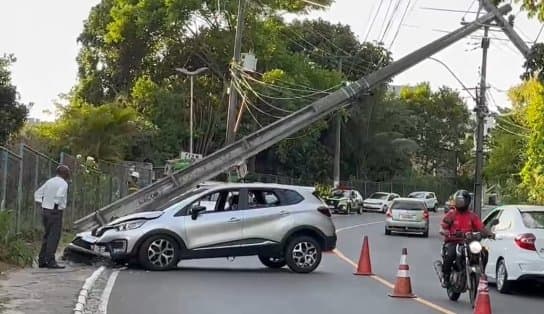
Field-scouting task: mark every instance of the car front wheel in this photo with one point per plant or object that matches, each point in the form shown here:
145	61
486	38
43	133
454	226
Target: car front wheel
303	254
159	252
272	262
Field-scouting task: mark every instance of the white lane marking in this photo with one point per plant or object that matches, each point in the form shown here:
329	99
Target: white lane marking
386	283
359	225
105	298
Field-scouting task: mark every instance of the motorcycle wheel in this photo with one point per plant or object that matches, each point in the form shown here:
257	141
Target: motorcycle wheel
473	288
452	295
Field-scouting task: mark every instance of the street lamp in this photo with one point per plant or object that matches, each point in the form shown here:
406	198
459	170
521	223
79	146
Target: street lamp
191	74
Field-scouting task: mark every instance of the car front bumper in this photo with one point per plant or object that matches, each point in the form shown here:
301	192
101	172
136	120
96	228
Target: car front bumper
406	226
329	243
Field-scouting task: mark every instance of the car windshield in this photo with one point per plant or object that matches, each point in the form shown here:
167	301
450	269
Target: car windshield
407	205
179	199
533	220
417	195
340	193
379	196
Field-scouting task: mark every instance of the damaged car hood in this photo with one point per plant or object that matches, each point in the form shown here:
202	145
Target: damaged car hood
136	216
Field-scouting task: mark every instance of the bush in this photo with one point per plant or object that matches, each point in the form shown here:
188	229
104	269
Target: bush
16	249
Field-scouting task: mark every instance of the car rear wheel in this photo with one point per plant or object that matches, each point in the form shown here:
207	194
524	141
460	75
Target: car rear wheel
159	252
303	254
503	284
426	233
387	231
272	262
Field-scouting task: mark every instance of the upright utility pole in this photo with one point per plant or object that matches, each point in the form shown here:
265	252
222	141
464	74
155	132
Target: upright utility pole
481	111
233	95
336	175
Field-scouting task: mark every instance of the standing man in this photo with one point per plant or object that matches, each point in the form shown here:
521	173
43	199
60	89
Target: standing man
52	196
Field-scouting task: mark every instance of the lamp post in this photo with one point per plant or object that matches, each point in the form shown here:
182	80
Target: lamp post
191	74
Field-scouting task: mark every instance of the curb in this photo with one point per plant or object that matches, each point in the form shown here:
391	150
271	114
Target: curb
84	292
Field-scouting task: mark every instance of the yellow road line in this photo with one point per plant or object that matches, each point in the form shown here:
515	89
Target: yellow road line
386	283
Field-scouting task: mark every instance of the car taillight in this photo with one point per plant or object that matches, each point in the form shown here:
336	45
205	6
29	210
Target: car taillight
426	215
526	241
325	211
388	213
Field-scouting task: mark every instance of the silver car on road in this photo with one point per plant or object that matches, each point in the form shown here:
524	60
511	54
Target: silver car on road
407	215
280	224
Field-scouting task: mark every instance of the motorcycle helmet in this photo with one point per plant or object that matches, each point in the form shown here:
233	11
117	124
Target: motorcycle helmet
462	200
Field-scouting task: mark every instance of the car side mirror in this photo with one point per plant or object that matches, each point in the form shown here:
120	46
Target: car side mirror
494	222
195	211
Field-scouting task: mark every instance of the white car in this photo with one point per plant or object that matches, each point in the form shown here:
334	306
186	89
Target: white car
517	253
429	197
379	201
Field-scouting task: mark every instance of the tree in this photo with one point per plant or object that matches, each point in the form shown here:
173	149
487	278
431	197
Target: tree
105	132
13	113
531	95
441	126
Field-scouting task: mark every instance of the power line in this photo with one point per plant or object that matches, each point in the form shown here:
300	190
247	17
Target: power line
467	90
469	8
385	17
395	10
373	20
539	32
511	132
400	24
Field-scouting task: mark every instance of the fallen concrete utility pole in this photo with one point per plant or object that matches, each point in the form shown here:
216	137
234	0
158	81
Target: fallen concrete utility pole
169	188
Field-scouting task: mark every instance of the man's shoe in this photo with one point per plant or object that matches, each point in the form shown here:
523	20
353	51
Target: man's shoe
56	266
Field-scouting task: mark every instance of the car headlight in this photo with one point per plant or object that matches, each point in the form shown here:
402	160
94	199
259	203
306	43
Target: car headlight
475	247
130	225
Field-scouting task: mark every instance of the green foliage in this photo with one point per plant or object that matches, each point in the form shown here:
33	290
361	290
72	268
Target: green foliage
105	132
531	93
441	124
14	249
13	112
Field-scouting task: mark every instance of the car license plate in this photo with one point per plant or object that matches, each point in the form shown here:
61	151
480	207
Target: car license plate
407	217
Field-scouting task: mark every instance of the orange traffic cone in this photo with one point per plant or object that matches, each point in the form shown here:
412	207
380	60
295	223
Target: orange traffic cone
483	304
364	268
403	286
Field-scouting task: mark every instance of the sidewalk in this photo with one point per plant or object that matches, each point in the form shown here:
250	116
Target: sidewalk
42	291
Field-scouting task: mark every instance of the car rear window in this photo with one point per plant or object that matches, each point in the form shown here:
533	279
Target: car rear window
533	220
407	205
291	197
417	195
379	196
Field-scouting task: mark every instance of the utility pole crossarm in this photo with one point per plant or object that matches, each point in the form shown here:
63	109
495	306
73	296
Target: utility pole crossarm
507	28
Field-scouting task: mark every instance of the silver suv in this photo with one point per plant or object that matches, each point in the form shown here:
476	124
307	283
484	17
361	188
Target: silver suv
279	223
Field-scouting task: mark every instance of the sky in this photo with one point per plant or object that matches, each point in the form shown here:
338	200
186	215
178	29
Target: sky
43	37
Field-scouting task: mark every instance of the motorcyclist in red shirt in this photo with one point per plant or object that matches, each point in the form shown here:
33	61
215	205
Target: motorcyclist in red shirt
457	222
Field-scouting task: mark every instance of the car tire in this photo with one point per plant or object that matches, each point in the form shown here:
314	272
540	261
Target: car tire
299	250
272	262
387	231
360	210
162	245
435	208
426	233
348	210
503	284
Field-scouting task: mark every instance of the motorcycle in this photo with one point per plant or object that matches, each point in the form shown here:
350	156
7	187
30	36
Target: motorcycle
467	267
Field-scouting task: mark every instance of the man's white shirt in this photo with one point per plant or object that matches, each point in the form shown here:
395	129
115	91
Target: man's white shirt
53	191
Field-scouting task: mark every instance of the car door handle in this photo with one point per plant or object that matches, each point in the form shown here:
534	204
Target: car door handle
234	219
284	212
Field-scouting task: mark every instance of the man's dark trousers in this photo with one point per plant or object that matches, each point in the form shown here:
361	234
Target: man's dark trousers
52	225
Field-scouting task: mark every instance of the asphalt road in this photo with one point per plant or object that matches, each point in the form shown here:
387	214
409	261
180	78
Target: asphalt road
245	286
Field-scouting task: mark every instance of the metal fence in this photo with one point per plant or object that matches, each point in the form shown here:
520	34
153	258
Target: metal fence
93	184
